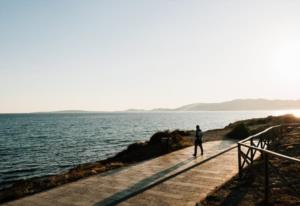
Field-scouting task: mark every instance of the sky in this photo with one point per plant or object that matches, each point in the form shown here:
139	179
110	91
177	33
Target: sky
122	54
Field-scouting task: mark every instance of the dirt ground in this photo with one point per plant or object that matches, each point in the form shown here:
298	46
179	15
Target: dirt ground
284	179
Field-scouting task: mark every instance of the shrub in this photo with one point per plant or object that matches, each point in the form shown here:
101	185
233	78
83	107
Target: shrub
158	136
240	131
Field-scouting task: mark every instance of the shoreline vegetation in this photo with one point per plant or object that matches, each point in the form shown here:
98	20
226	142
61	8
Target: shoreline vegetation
160	143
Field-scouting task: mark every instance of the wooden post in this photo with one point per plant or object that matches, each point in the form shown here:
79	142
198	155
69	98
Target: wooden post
252	151
266	178
239	161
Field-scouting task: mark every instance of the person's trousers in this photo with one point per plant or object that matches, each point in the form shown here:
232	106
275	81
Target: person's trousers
198	143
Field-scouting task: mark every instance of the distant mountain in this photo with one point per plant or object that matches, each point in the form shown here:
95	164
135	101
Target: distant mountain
243	104
161	109
135	110
67	111
234	105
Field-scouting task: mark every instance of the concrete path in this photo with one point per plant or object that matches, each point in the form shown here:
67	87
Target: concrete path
173	179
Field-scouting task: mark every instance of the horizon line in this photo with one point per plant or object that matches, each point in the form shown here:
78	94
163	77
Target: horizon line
158	108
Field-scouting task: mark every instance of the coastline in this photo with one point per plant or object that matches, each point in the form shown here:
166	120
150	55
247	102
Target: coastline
160	143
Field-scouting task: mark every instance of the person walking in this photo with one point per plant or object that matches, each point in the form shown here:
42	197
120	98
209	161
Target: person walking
198	140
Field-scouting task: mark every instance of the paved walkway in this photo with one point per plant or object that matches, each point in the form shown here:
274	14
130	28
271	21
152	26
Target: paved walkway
173	179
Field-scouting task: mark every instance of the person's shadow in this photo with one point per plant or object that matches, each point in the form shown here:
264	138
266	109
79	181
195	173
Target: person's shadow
141	185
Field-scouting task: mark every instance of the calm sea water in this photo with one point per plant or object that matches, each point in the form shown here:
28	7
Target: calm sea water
34	145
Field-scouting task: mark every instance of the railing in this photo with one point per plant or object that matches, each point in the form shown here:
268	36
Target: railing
248	148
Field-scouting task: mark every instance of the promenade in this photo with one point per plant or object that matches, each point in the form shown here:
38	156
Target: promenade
172	179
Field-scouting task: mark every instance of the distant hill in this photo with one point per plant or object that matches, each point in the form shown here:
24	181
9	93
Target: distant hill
67	111
161	109
243	104
135	110
234	105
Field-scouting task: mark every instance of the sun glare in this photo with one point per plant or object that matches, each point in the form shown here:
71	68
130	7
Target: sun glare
285	63
282	112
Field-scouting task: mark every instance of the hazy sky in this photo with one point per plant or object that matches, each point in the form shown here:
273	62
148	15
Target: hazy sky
115	55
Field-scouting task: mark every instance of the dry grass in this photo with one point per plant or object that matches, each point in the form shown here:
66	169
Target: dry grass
250	190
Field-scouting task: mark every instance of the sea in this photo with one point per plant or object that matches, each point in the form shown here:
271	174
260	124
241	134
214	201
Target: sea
39	144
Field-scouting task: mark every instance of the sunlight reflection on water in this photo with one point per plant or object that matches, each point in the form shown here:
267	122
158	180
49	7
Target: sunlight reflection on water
295	112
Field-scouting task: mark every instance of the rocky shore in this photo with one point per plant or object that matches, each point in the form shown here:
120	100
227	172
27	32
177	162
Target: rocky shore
160	143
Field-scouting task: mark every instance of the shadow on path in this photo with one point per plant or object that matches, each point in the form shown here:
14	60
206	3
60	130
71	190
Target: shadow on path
237	195
141	185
